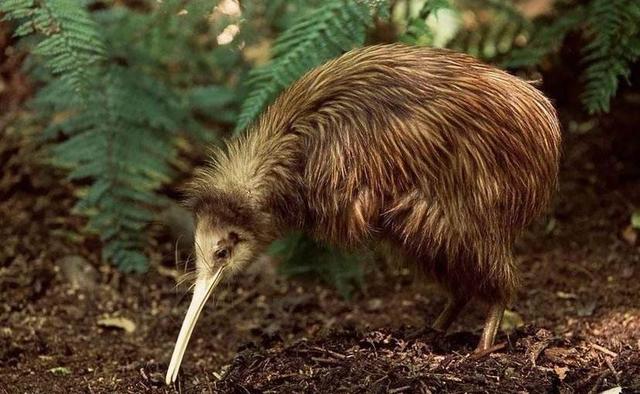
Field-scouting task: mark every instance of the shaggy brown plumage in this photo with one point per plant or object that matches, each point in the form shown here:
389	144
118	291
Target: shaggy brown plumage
443	156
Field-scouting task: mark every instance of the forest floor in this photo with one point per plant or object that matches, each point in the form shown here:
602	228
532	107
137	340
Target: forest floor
69	323
574	326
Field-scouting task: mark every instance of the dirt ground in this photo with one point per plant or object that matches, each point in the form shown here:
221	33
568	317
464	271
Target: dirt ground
69	323
576	317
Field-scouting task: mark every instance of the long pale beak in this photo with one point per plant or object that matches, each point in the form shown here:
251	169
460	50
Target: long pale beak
202	290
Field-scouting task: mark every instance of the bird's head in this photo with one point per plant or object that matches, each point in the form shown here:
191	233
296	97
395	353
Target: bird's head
222	246
228	236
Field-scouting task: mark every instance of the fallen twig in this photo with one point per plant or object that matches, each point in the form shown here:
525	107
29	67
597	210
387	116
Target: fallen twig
599	381
445	376
331	352
613	370
399	389
604	350
486	352
326	360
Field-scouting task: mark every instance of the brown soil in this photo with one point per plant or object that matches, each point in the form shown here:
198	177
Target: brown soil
579	302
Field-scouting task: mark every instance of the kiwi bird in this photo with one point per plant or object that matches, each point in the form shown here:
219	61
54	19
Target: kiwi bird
428	150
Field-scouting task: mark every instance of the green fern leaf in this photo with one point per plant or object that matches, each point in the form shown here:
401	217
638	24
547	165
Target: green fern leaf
120	123
303	257
332	29
71	44
547	38
613	27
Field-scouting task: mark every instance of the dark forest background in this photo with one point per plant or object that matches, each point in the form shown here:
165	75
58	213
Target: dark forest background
107	106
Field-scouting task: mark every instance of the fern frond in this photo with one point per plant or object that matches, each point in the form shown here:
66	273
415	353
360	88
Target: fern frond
613	33
332	29
613	27
547	38
120	123
71	45
301	256
121	142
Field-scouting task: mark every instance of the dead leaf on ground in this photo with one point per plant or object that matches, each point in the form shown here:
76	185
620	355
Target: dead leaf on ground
60	371
561	372
566	296
536	345
561	356
630	235
118	322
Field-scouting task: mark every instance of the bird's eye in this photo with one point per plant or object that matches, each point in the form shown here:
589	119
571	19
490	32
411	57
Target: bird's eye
222	253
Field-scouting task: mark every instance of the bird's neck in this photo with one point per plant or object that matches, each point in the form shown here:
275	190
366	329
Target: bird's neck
266	166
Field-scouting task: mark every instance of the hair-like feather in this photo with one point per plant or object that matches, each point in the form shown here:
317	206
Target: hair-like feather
429	149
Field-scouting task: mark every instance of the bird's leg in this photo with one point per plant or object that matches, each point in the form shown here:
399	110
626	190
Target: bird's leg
449	313
491	325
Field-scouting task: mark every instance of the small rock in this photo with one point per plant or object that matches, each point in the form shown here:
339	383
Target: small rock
78	272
